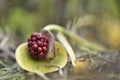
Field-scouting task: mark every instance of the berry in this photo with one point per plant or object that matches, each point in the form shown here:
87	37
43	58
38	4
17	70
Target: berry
35	46
38	45
44	49
33	38
41	54
39	49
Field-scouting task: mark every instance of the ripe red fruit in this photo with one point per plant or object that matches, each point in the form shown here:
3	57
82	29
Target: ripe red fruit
38	45
39	49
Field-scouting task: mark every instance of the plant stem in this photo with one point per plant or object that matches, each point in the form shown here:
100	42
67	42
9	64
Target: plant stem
69	49
82	42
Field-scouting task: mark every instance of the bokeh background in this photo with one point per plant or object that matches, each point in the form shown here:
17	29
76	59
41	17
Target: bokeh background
97	21
22	17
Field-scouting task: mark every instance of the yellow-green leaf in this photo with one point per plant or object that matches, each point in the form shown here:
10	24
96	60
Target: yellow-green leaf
25	60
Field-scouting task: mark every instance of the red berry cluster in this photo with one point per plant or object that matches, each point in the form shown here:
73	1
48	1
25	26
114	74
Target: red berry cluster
38	45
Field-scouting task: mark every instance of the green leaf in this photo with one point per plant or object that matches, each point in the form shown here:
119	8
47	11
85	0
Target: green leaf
25	60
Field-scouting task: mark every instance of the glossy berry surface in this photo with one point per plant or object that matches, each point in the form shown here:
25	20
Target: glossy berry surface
38	45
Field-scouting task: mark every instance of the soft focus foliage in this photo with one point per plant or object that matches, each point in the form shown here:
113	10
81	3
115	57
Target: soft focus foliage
23	17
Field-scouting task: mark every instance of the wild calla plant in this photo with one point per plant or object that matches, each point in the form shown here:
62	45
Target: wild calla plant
46	55
41	53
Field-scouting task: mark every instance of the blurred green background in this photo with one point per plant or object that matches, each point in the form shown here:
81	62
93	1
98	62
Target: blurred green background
22	17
